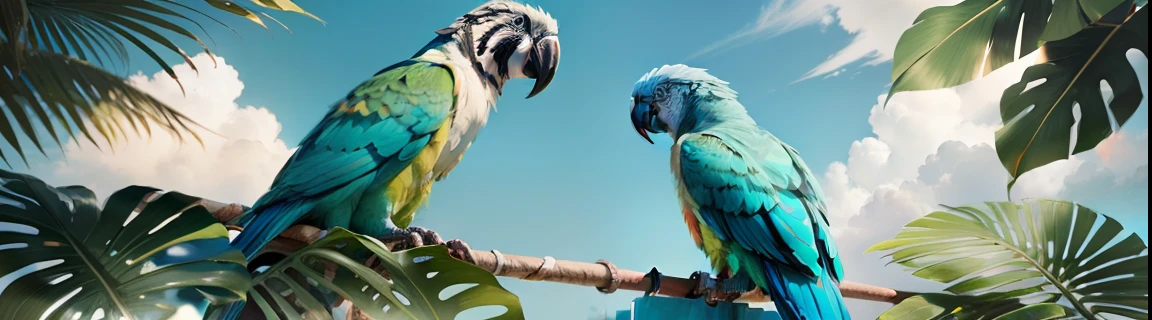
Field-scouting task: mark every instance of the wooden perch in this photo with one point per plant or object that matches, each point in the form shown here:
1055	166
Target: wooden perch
601	274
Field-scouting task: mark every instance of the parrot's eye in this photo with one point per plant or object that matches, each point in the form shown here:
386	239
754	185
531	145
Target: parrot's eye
518	21
660	93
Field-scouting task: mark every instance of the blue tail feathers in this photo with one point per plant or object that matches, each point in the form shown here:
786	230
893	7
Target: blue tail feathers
800	297
264	225
261	225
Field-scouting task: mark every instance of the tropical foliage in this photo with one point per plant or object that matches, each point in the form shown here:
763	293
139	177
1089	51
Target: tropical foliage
127	260
1040	259
68	95
148	254
420	283
1083	43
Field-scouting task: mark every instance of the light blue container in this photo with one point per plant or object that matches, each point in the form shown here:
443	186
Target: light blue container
665	308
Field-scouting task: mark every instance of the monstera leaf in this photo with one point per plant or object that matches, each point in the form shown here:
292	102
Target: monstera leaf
952	45
1039	117
1071	16
414	289
1040	259
70	259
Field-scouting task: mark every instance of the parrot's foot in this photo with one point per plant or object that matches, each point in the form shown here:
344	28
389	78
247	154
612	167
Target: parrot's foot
413	237
702	282
720	290
460	250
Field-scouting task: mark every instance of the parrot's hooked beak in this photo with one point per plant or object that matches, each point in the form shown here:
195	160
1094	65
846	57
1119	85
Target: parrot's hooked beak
542	63
641	118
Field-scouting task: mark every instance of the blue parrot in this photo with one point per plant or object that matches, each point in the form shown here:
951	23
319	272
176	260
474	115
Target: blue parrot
371	161
749	201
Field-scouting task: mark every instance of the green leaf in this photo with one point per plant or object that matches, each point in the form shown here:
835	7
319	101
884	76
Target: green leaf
1041	311
1038	118
1071	16
410	289
130	264
13	25
286	5
946	46
71	96
236	9
924	306
1061	250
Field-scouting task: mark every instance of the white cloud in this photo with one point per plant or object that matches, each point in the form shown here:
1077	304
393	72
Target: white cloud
875	25
776	18
936	147
237	164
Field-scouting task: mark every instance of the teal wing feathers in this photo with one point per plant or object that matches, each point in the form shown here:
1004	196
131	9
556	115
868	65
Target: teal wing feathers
755	191
377	129
371	135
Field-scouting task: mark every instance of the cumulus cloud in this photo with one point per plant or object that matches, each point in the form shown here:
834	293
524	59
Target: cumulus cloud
236	164
875	25
936	147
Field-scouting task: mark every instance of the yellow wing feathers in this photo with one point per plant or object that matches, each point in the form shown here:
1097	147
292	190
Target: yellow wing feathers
410	189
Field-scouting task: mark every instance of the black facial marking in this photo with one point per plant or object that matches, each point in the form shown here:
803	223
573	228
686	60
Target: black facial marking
502	52
487	36
527	25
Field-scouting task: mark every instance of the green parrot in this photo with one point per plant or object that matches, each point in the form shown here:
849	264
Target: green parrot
371	161
750	202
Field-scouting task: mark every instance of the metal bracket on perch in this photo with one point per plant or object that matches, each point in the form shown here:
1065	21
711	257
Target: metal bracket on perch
653	277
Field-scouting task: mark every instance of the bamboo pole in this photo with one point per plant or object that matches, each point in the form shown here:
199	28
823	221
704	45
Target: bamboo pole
600	275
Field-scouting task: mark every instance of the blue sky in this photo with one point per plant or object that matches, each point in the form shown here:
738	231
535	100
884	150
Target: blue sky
564	174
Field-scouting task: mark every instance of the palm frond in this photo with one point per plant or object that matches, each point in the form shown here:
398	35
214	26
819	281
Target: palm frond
65	26
1039	259
45	47
68	96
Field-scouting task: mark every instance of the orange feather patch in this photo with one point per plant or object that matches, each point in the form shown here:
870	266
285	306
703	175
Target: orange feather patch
693	226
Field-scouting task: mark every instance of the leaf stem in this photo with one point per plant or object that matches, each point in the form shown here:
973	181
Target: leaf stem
1080	307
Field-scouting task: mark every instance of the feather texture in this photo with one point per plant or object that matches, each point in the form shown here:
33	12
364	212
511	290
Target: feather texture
365	141
749	188
750	202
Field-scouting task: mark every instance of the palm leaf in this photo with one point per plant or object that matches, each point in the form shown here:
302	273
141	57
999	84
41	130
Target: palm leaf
13	21
236	9
1038	118
56	26
412	289
127	260
48	31
68	96
286	5
1010	260
952	45
62	26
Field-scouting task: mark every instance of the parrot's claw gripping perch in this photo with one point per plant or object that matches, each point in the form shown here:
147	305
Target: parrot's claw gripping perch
460	250
719	289
654	278
413	237
703	285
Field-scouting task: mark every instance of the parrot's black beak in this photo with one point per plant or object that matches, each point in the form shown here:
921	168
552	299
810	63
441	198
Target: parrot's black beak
542	63
641	119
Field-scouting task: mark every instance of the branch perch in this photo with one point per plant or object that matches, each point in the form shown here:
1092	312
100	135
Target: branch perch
598	275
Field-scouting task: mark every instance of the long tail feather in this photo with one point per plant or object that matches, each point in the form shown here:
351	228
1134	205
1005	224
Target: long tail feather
800	297
266	224
261	225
